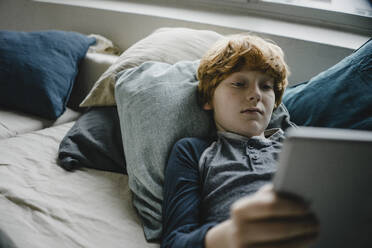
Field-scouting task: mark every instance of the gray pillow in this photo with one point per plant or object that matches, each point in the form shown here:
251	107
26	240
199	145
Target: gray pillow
157	105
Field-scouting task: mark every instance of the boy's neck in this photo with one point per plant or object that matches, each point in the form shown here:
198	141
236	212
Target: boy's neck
267	134
261	136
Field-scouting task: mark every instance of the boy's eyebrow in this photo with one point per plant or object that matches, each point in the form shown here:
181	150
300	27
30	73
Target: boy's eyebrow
241	77
268	81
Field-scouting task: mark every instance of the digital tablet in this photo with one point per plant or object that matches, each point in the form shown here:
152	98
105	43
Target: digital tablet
331	169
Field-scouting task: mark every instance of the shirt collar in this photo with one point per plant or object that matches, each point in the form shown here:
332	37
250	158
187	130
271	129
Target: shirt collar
271	134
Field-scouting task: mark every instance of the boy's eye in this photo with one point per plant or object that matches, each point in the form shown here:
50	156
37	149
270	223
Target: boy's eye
267	86
238	84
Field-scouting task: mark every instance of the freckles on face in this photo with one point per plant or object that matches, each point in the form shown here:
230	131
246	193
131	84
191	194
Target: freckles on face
243	103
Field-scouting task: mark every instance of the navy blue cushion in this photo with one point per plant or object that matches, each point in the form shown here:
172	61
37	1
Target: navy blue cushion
38	69
340	97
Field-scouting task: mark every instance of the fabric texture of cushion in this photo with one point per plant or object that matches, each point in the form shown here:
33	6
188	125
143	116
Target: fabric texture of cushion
91	68
38	69
94	141
339	97
157	105
168	45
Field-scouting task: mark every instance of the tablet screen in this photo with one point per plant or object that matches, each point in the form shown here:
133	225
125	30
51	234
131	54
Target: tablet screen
331	169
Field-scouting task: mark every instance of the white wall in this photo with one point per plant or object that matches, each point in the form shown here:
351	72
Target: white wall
304	56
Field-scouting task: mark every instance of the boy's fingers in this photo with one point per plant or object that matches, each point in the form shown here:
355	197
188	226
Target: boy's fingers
275	230
297	242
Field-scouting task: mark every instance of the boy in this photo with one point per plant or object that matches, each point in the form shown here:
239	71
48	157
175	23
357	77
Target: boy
217	191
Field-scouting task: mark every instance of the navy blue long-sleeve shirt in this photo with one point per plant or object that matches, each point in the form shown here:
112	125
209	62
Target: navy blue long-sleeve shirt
181	213
204	177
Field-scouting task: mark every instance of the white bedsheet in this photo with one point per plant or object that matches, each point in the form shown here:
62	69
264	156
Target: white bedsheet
13	122
41	205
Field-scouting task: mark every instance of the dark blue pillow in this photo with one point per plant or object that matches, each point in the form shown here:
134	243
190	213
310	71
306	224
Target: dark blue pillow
340	97
38	69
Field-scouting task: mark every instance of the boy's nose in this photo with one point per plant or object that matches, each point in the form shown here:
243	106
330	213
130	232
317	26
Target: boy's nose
253	94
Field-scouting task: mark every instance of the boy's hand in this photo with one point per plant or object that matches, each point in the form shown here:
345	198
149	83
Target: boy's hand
265	219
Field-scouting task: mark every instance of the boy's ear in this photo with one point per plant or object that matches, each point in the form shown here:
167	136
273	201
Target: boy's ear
207	106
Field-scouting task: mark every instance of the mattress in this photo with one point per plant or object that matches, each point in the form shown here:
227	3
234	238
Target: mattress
42	205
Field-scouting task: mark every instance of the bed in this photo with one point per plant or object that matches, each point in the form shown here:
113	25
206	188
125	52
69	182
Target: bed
45	202
43	205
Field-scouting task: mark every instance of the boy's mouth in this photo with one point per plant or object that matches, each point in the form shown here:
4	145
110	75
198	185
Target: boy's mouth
252	110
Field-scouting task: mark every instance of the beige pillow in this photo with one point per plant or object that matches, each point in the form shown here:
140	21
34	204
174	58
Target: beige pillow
90	69
168	45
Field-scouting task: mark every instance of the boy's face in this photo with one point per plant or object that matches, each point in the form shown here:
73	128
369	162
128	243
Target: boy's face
243	103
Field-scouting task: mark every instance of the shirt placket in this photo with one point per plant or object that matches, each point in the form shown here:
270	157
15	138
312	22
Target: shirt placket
253	156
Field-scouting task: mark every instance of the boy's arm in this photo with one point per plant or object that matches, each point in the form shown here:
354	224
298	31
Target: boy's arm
265	219
181	204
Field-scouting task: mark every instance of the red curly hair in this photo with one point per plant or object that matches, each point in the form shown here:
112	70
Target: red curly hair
231	53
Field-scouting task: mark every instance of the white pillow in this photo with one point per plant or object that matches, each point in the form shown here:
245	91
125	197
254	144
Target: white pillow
168	45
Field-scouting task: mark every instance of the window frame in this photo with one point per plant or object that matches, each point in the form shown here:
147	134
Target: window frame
356	21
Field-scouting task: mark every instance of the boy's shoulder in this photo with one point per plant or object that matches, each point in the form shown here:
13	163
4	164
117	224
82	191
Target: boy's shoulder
186	152
194	142
193	146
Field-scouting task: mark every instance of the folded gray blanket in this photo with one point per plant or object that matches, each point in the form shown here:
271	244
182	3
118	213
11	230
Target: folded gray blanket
5	241
94	142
